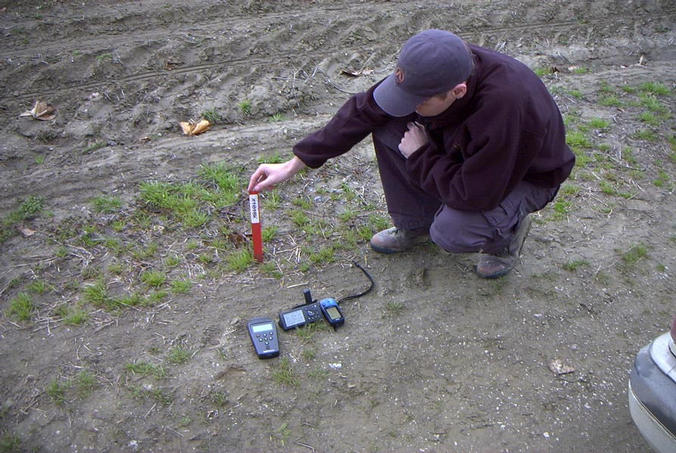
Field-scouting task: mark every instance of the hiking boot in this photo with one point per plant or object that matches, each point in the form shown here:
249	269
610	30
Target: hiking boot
494	266
394	240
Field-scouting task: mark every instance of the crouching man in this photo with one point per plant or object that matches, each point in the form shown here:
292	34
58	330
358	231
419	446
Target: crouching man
469	142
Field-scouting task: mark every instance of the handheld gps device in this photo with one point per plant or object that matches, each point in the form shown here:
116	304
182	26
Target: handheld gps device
263	335
332	312
301	314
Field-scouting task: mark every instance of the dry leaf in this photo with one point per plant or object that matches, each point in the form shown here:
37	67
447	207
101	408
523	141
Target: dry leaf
172	64
557	367
357	73
26	232
186	126
42	110
195	128
201	126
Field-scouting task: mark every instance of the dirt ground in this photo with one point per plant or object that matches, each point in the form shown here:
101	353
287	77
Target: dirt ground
433	359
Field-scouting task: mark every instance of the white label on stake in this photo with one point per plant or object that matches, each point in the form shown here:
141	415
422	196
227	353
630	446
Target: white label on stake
253	207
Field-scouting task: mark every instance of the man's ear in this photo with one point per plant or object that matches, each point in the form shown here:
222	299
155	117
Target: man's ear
459	90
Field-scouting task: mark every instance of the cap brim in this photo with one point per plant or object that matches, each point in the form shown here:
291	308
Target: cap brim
393	100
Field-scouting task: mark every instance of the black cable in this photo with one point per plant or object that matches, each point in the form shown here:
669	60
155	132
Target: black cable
354	296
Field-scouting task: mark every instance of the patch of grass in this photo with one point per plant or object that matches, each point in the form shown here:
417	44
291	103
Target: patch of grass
323	255
578	140
655	88
270	268
299	218
245	107
271	200
101	58
347	215
650	118
599	123
153	298
307	332
96	294
378	222
212	116
611	101
308	354
541	72
10	443
156	394
113	244
605	88
348	192
654	105
30	208
56	390
219	399
275	158
72	316
178	200
561	208
574	265
153	279
394	308
21	307
608	188
38	287
282	434
146	369
577	94
662	179
239	260
303	203
106	205
635	254
628	155
181	286
172	261
364	232
276	118
569	190
645	134
85	383
76	317
284	374
145	253
93	147
269	233
227	182
178	355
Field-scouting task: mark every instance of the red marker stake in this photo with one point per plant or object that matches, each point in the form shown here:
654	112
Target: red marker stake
256	226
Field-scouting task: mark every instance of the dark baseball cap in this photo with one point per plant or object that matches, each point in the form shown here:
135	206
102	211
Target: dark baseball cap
430	63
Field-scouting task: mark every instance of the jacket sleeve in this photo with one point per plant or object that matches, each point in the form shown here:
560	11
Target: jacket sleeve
488	153
357	118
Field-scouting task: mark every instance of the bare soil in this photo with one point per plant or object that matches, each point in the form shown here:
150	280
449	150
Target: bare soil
433	359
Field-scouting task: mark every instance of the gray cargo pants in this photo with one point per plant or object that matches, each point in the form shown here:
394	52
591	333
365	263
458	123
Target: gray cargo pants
451	229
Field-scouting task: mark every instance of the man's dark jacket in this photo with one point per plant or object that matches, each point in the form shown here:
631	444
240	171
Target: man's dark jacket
507	128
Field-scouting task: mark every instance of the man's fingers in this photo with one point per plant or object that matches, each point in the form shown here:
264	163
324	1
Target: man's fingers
258	176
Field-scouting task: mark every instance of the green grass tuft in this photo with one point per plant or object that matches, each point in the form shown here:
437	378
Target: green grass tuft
21	307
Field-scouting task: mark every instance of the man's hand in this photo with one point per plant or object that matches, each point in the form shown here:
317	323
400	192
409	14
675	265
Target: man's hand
414	138
267	176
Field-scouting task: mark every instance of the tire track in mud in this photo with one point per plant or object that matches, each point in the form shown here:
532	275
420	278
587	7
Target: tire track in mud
245	20
551	29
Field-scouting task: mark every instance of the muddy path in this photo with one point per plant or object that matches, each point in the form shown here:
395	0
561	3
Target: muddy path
134	335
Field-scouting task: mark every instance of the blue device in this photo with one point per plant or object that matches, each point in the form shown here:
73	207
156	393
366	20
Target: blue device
332	312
